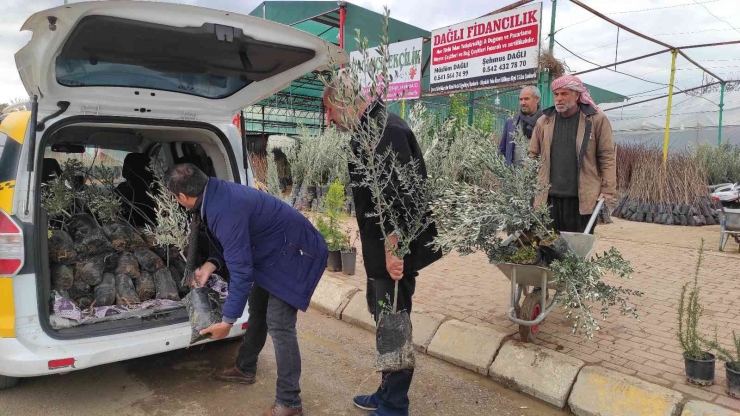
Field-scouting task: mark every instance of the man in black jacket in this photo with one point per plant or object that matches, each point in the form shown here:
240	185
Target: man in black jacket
383	268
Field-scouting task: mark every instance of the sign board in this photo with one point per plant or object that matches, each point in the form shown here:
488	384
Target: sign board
404	67
483	53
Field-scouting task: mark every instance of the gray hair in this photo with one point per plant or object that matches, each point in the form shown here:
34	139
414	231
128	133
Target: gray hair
534	90
341	81
186	179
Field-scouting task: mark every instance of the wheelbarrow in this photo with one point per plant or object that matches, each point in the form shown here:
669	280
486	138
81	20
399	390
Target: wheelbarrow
729	226
534	309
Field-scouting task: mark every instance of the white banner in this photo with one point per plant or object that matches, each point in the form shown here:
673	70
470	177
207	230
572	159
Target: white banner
486	52
404	67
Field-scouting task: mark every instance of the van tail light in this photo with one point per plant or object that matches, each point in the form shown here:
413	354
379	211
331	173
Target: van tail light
11	245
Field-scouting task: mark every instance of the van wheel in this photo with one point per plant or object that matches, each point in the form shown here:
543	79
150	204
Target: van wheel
8	382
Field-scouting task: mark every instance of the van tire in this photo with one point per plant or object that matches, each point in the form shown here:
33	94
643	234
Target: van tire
8	382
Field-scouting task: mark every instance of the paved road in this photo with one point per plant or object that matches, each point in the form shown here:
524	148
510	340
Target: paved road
337	362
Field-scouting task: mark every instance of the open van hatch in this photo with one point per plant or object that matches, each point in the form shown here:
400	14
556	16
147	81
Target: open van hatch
121	146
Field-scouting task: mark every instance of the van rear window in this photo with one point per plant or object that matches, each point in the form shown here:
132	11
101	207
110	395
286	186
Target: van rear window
10	154
211	61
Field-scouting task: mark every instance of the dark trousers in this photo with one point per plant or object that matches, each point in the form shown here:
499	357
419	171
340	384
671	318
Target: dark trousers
393	393
268	314
566	215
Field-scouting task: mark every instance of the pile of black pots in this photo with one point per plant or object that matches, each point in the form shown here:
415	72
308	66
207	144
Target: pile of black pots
701	212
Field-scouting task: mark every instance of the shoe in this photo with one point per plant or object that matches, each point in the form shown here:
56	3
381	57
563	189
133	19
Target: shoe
280	410
366	402
234	375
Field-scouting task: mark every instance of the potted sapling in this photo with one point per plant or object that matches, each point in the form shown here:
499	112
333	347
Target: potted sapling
349	254
328	224
699	363
732	362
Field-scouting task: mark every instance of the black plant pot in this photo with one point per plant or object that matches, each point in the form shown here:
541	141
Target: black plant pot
349	261
700	372
334	263
733	381
323	191
312	194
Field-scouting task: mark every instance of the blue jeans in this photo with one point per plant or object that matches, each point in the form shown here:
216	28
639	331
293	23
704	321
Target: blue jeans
269	314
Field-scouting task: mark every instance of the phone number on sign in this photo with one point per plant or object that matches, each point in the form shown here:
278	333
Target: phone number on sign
504	67
451	75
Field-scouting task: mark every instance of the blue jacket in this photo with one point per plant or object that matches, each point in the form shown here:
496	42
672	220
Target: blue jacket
264	241
506	145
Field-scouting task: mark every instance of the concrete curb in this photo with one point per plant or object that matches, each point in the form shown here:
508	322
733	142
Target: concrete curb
356	312
332	295
425	326
466	345
545	374
699	408
601	392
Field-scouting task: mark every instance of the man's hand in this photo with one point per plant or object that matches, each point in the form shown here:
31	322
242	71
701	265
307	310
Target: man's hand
218	331
393	264
607	197
202	274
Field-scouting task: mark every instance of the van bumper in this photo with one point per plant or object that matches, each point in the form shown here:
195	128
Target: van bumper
29	355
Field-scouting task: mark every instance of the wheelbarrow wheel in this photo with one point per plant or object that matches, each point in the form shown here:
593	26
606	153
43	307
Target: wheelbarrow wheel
530	310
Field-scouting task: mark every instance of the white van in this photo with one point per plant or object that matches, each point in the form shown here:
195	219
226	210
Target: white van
160	79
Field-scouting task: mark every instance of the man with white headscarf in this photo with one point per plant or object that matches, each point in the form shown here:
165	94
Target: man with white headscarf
574	142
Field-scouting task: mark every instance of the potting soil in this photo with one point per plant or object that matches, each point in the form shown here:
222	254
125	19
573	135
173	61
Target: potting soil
127	265
166	287
88	237
123	236
61	248
148	260
62	276
394	342
125	291
105	292
204	309
145	288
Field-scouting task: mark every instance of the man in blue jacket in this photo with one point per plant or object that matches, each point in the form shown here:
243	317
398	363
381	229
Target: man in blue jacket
275	258
530	112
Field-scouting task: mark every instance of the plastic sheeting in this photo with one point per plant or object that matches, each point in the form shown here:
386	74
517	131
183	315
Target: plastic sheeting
693	120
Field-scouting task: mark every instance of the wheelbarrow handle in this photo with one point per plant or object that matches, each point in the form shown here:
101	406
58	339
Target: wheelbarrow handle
594	216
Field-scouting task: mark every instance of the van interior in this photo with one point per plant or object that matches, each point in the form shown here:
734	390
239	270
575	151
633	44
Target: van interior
129	152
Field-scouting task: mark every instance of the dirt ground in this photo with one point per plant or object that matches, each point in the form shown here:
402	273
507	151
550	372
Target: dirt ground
337	365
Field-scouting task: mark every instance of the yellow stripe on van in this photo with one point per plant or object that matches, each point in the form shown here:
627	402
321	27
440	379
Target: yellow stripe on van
7	308
7	189
14	125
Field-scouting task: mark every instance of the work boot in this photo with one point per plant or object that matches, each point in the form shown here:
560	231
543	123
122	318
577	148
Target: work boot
234	375
280	410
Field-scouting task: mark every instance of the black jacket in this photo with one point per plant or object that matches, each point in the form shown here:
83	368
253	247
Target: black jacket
399	136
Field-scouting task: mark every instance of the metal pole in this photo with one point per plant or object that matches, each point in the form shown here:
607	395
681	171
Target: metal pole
546	92
471	107
403	109
721	107
616	50
674	53
342	19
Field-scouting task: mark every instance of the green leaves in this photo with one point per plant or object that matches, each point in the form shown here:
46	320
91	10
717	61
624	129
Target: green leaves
172	220
328	224
689	313
580	283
